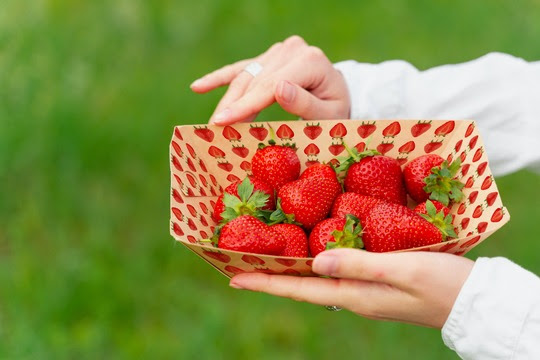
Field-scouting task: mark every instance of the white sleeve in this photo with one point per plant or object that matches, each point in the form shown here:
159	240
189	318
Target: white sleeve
499	91
497	313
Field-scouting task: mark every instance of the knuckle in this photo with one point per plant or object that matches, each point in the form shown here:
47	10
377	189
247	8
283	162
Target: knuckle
314	53
295	40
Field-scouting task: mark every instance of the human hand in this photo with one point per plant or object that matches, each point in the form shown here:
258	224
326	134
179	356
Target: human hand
298	76
412	287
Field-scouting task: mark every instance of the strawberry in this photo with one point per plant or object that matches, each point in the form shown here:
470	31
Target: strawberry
391	227
275	164
439	215
354	204
305	201
309	199
369	173
241	200
258	185
249	234
430	176
232	189
422	207
335	233
296	239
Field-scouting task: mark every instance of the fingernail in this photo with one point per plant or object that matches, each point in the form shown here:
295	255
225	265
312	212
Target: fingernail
287	91
325	264
196	83
235	285
221	116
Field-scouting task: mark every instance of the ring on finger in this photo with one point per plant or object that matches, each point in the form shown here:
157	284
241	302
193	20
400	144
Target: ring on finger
253	68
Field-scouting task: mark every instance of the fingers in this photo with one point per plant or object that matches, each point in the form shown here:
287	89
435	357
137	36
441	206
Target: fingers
248	105
298	101
309	289
219	77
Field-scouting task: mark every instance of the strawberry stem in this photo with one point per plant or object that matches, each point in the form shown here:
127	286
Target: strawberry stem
440	221
349	237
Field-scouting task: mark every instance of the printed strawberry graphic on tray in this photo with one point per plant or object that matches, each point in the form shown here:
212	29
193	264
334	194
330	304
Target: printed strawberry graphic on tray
392	130
177	148
204	133
259	132
445	128
178	134
366	129
312	130
385	147
225	165
432	146
404	151
231	133
241	151
284	132
337	133
420	127
312	151
216	152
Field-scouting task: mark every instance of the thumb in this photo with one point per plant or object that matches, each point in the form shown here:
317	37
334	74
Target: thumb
298	101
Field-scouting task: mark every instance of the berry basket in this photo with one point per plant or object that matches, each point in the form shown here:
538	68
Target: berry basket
206	158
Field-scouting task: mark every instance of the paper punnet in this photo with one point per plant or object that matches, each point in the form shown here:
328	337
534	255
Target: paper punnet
207	158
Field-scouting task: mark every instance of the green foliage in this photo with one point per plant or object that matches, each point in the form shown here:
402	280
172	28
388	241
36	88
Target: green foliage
89	93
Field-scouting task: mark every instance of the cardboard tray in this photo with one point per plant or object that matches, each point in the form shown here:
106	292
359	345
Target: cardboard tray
207	158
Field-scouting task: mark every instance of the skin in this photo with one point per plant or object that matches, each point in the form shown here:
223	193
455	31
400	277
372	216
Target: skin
318	93
412	287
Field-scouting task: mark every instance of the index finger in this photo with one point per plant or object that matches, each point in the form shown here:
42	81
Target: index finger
219	77
248	105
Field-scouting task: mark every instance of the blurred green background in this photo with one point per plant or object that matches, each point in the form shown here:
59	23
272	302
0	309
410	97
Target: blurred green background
89	94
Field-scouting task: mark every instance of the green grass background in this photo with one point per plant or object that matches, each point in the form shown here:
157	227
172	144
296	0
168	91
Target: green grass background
89	94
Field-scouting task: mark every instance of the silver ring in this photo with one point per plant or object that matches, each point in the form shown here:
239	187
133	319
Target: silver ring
333	308
253	68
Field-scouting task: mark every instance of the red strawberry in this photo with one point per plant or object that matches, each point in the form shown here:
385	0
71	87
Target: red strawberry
430	176
249	234
439	215
335	233
233	189
307	201
391	227
369	173
354	204
275	164
296	239
421	208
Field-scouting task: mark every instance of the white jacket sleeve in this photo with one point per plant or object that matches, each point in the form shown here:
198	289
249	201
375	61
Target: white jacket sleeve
497	313
499	91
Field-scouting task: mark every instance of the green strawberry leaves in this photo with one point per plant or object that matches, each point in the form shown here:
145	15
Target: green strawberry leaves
278	216
349	237
249	203
345	162
442	185
443	223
